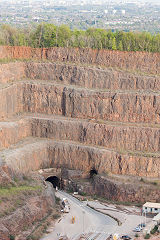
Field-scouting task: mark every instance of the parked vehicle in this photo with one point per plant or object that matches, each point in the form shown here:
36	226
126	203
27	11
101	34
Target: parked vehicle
125	237
142	225
137	229
66	209
65	205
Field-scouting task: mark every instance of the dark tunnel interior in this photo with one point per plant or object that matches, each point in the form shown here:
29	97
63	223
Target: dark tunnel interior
93	172
54	180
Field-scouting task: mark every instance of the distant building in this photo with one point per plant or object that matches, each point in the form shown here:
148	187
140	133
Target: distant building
150	207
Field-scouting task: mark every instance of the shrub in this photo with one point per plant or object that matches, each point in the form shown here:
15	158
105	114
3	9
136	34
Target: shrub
147	236
56	216
154	230
83	194
57	200
155	183
136	235
11	237
142	180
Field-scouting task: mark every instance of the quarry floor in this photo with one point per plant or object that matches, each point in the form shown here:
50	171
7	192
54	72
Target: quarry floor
87	221
95	226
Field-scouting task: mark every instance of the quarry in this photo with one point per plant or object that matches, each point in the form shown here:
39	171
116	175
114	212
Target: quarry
92	116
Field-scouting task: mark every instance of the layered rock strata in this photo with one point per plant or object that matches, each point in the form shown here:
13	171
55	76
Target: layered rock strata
91	76
14	131
92	104
10	101
135	61
118	192
81	117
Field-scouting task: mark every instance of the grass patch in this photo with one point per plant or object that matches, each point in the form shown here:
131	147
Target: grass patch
9	60
8	192
16	194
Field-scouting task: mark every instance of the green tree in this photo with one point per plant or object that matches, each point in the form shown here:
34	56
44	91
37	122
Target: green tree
63	36
114	47
120	46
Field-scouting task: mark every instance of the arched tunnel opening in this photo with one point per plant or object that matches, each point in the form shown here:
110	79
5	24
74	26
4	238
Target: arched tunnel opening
54	180
93	172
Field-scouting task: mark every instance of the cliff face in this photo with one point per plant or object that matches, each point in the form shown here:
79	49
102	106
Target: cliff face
28	155
95	108
11	101
11	72
141	61
80	103
91	77
13	132
85	158
111	190
115	136
91	104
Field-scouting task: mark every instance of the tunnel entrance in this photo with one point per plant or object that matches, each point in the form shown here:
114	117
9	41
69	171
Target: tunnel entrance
93	172
54	180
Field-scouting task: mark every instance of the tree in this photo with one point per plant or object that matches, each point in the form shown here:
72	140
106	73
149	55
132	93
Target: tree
44	36
114	47
63	36
120	46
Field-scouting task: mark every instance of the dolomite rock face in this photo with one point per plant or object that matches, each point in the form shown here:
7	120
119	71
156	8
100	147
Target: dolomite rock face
34	154
91	77
11	101
85	158
13	132
43	98
82	103
145	62
28	156
141	61
11	72
95	108
112	190
119	137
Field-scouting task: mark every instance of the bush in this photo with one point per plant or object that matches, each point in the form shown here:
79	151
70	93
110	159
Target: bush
11	237
147	236
56	216
154	230
136	235
83	194
57	200
142	180
154	183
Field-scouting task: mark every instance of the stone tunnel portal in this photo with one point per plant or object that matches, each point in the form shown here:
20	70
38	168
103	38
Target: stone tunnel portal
93	172
54	180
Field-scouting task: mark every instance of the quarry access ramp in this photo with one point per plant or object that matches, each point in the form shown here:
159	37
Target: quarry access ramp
57	111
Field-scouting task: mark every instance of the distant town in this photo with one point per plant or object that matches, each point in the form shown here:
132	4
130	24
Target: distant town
114	15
